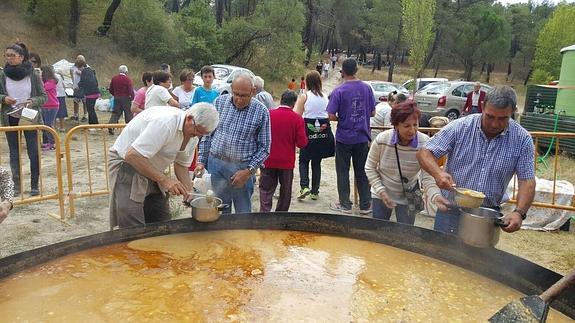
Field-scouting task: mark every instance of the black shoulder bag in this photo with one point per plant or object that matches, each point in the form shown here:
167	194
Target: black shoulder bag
413	194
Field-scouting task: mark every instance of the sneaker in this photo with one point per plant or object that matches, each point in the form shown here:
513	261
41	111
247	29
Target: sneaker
111	132
84	119
365	212
303	193
337	207
34	192
314	196
75	118
45	147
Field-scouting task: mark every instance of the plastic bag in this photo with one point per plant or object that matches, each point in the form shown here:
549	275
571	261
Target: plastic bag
102	104
202	184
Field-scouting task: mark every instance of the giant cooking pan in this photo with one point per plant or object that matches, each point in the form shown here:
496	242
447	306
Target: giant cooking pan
515	272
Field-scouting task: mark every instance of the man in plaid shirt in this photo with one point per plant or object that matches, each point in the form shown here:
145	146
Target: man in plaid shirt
483	152
239	145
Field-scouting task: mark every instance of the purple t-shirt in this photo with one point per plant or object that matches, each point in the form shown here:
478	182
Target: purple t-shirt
353	103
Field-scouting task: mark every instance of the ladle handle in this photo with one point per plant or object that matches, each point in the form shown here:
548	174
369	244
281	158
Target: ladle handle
563	284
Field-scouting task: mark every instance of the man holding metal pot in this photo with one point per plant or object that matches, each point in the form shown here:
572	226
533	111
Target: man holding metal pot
158	137
483	152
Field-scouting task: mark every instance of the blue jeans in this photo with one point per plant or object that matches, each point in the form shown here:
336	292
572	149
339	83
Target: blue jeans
381	211
32	149
344	154
446	221
221	172
48	115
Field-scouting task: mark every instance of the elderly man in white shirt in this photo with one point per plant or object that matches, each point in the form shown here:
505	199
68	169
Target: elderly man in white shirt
145	148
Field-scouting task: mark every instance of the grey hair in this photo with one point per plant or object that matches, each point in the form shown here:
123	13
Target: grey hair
501	97
123	69
259	83
245	75
205	115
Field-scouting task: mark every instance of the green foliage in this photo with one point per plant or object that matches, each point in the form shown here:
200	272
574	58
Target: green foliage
202	44
143	28
51	14
383	31
418	25
557	33
269	41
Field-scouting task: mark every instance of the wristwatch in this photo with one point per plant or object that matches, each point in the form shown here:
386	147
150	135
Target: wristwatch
521	212
252	170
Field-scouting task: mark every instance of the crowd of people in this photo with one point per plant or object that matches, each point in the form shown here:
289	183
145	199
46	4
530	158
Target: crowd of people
234	135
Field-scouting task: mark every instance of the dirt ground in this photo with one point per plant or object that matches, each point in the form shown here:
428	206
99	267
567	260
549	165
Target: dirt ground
34	225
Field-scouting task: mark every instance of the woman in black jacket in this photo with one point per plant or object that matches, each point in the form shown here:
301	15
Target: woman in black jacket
88	85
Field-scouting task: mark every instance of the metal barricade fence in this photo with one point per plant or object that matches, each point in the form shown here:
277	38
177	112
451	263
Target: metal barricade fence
537	136
87	132
43	180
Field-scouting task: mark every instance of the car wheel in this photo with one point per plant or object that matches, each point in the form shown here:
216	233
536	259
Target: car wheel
452	115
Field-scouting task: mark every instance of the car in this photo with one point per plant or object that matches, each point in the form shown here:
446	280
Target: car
224	74
445	98
421	82
381	89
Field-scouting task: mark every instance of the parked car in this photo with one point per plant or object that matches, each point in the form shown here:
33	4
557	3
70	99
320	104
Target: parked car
445	98
381	89
421	82
224	74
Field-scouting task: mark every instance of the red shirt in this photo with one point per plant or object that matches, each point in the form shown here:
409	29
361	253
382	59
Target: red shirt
288	132
121	85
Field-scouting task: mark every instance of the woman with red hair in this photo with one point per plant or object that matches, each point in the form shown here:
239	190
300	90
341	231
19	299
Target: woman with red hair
392	168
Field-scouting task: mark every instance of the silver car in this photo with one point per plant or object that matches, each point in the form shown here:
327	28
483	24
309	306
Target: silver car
381	89
224	74
445	98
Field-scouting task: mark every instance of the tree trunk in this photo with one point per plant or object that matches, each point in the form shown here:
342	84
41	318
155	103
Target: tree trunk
219	12
394	51
483	68
107	23
436	68
433	48
489	69
308	32
173	6
528	76
390	70
468	70
508	77
74	22
378	60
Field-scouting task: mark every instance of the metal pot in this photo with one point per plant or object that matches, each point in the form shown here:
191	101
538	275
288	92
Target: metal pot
479	227
204	211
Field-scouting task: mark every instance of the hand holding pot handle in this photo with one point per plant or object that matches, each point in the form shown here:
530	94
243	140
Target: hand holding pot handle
513	221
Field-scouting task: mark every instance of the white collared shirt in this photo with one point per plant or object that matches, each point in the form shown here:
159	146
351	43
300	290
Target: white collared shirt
475	98
157	135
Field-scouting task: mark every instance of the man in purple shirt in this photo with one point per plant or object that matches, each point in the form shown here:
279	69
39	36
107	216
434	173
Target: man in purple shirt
352	105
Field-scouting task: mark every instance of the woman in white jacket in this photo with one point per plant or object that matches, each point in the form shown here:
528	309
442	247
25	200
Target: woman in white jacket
390	148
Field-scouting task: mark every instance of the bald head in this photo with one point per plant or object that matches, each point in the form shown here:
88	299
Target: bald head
81	59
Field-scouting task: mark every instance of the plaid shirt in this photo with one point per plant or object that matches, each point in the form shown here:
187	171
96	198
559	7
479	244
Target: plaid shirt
242	136
484	165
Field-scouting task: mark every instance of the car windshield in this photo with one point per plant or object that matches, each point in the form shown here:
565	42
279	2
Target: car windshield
221	73
382	87
435	88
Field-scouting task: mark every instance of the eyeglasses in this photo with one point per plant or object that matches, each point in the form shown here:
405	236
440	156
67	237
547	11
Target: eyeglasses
11	55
